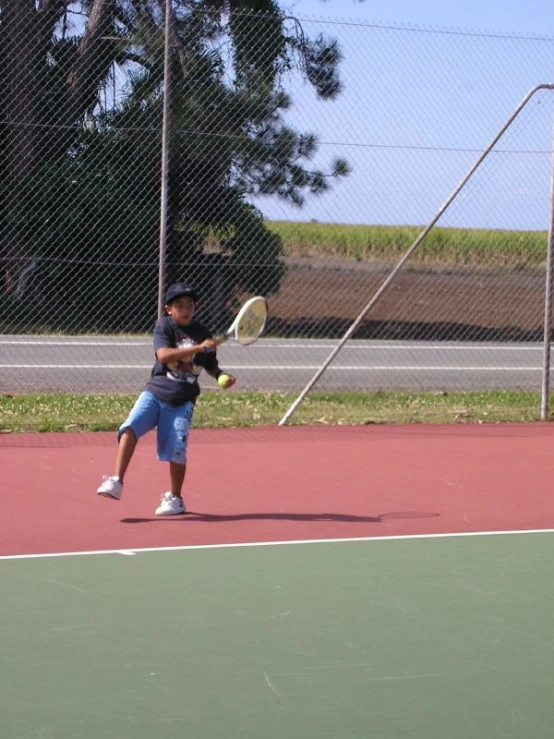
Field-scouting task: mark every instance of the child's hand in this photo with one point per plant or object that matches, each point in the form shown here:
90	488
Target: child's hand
225	381
209	345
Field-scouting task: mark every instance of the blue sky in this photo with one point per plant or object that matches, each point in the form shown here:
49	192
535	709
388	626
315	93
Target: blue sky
530	16
420	104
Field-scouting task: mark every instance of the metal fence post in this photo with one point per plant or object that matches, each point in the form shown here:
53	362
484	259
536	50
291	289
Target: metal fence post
166	138
548	297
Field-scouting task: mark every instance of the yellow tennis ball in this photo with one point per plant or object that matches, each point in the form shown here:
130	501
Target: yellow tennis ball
223	380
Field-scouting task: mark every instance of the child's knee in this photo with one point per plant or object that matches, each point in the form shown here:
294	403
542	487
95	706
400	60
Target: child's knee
173	448
182	428
128	433
178	454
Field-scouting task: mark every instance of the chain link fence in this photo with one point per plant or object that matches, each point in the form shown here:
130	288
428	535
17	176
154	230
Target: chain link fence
296	158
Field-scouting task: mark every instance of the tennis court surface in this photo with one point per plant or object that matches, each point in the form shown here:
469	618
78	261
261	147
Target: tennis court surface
328	582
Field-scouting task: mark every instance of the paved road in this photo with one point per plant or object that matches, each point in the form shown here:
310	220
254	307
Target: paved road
108	364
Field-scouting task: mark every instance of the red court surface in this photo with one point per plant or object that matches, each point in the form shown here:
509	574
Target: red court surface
279	484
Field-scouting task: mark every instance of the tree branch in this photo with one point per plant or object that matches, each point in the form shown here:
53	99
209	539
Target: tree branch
49	14
91	63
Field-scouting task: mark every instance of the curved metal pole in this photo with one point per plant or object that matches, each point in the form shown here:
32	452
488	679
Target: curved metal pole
409	253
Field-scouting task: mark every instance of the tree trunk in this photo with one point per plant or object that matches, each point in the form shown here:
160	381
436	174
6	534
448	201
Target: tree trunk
19	105
92	62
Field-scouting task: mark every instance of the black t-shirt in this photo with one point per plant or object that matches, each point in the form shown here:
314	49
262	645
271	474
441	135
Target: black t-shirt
177	382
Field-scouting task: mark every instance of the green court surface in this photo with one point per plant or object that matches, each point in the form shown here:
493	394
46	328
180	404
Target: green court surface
424	638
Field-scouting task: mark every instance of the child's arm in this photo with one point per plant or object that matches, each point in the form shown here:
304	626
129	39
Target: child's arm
211	365
167	355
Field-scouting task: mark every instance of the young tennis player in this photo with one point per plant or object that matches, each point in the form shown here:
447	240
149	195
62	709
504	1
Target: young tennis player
182	346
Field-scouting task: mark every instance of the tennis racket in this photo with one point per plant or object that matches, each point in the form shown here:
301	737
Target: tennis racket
249	323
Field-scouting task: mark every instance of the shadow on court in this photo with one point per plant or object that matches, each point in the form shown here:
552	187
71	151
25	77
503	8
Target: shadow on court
343	517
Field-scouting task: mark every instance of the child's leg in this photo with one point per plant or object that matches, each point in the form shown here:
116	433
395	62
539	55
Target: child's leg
174	424
177	476
173	430
142	418
125	451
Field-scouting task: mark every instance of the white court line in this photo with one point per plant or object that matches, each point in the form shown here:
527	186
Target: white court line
243	545
266	367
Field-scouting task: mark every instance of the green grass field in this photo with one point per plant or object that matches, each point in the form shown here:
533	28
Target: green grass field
67	412
443	246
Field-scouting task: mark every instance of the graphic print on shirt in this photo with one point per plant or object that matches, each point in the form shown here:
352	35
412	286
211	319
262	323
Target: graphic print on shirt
184	369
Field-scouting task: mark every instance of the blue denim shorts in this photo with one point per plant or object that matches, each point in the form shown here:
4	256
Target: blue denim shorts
172	424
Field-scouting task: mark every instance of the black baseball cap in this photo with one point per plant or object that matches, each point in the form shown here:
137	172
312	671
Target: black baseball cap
179	290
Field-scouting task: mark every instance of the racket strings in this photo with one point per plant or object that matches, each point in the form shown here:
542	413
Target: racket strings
252	323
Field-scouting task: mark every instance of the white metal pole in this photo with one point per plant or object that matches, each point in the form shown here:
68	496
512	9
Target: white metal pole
545	394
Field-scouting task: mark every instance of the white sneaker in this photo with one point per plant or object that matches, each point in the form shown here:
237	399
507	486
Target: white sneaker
111	487
170	505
